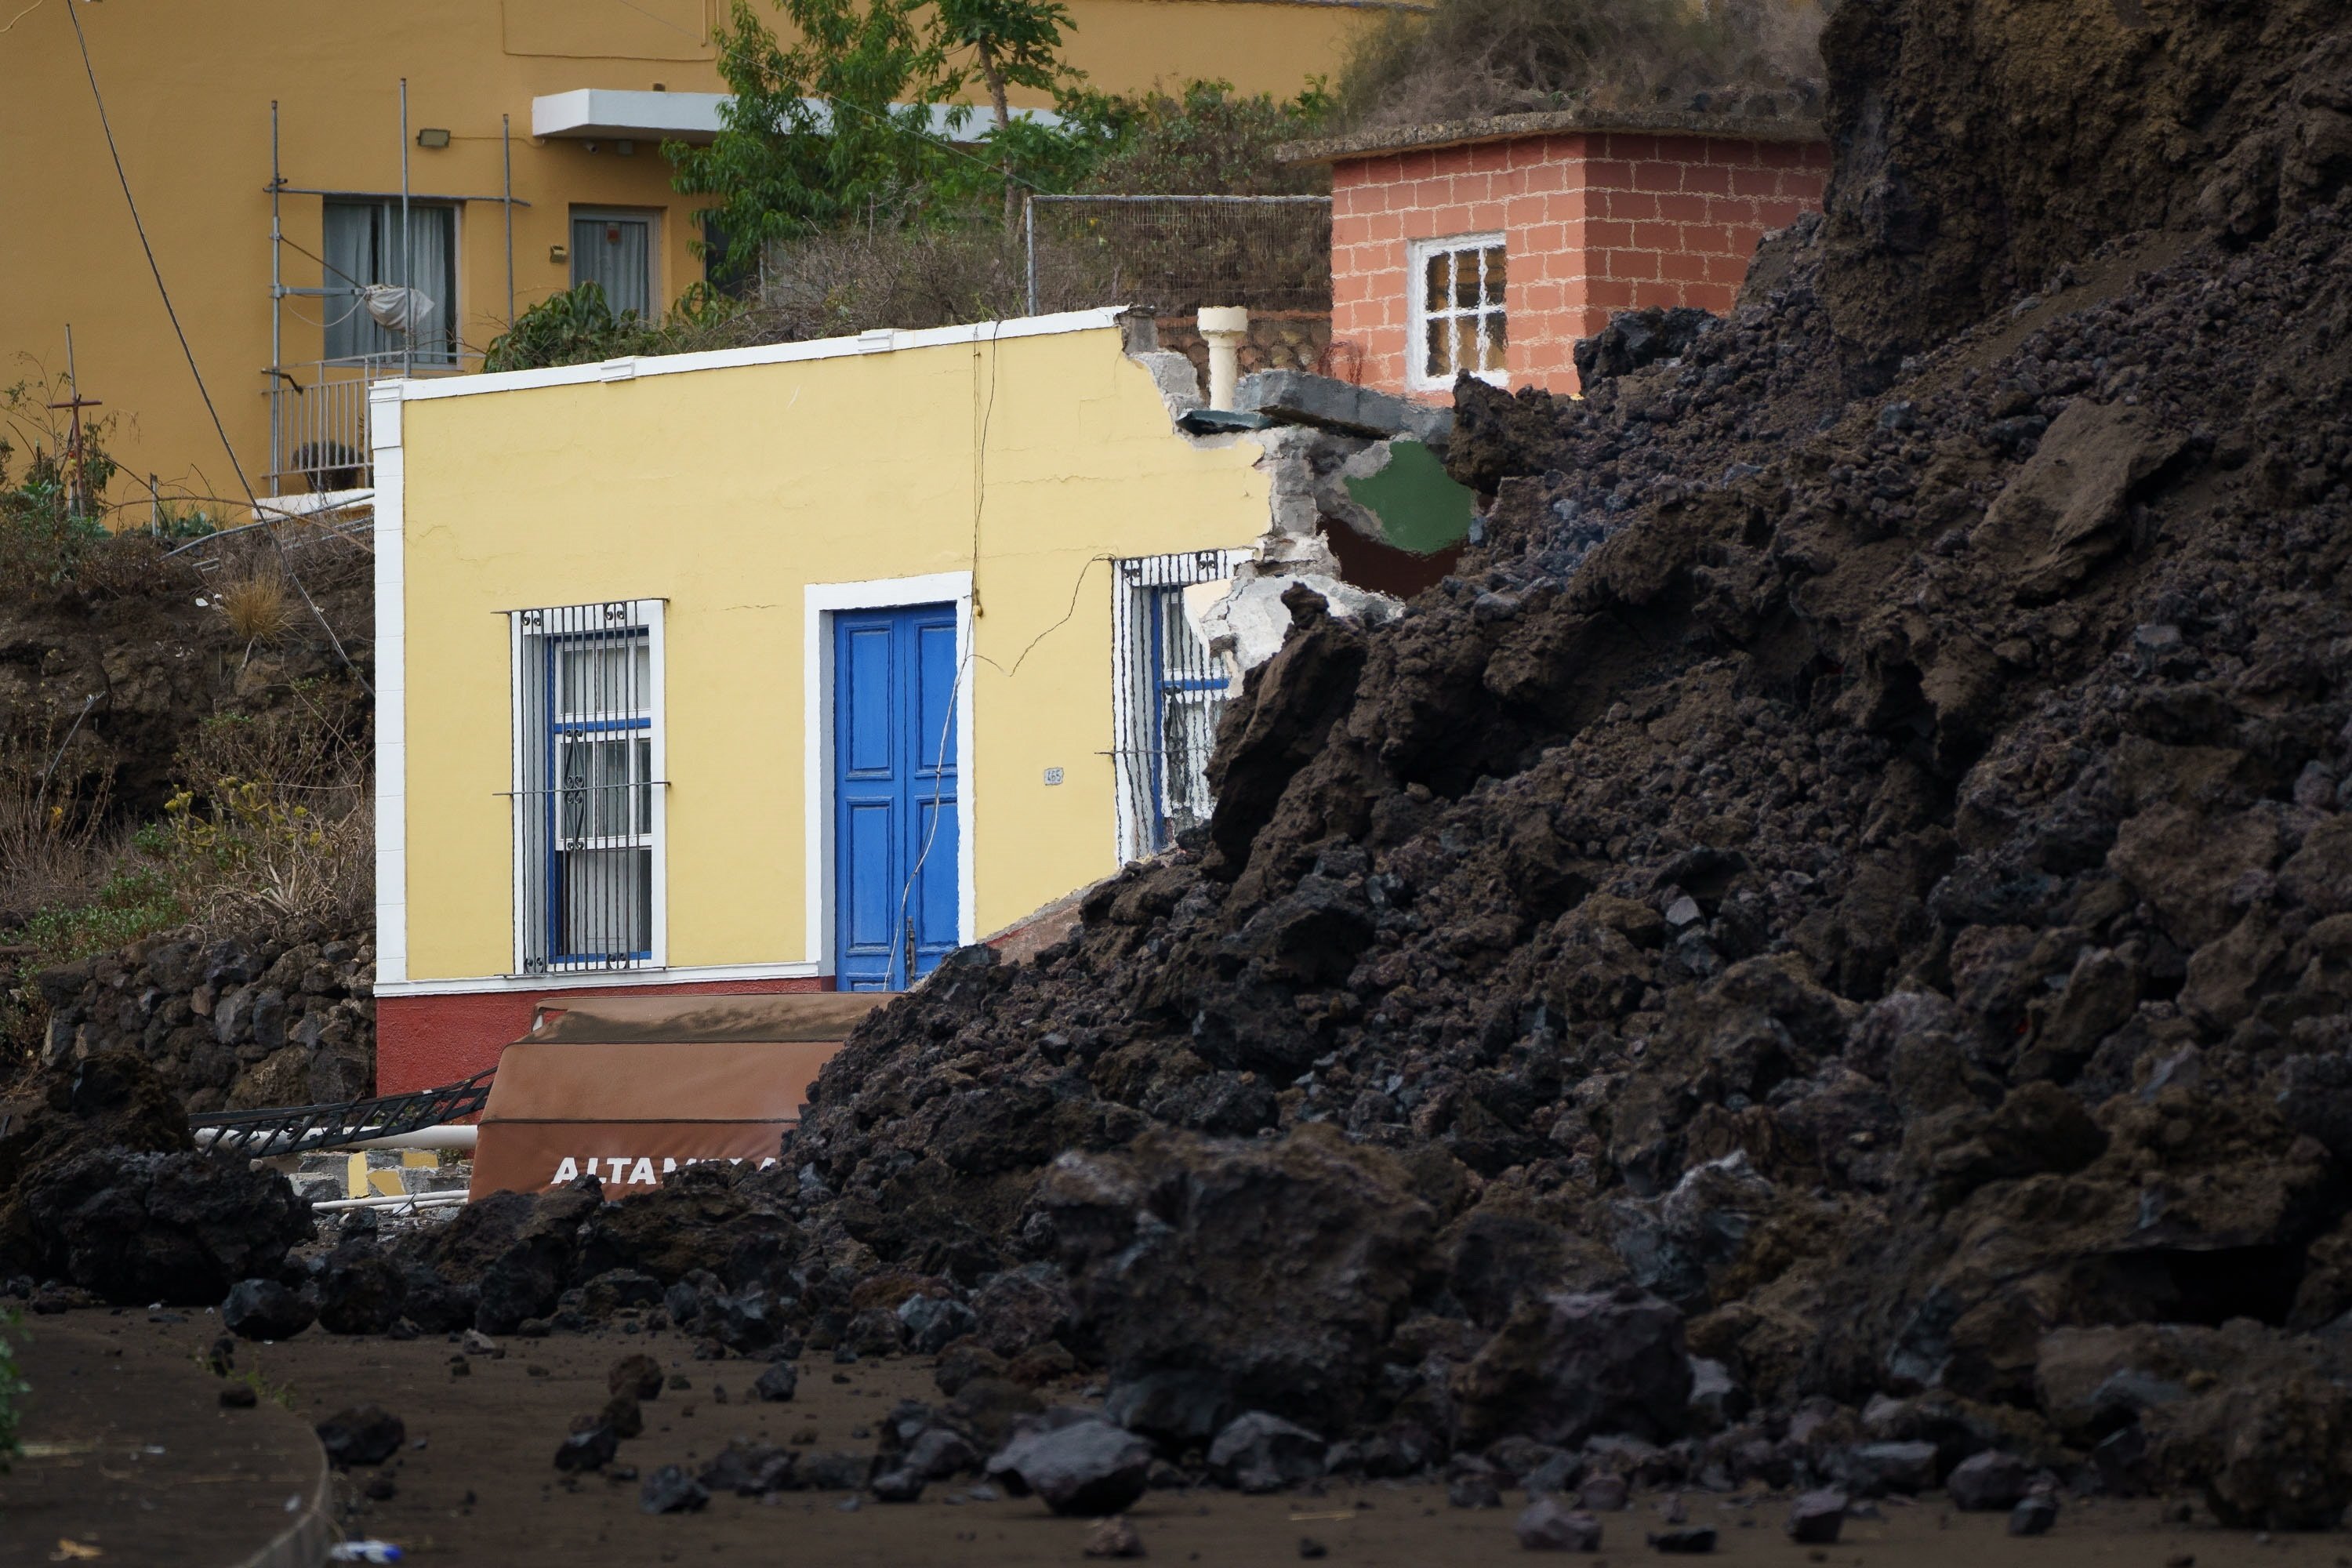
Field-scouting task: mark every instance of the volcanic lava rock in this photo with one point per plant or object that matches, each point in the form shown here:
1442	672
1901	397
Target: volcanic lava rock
177	1229
1263	1453
1296	1315
670	1489
1564	1368
362	1435
901	1485
2034	1516
2274	1452
1689	1540
1113	1537
1082	1466
1874	1469
1023	1306
836	1470
932	1323
1817	1517
639	1376
749	1468
361	1290
1550	1525
777	1383
1472	1483
1176	1410
590	1447
265	1310
1989	1482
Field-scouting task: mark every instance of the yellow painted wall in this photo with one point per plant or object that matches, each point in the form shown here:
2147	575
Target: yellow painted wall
189	87
727	491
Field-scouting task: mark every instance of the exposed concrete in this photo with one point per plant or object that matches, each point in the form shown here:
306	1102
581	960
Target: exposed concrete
1248	626
1341	407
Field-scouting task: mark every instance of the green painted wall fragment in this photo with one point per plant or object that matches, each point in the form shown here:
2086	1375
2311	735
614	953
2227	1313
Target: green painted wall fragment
1418	507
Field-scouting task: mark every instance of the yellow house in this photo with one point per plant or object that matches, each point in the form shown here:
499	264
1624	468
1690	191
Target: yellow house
485	153
784	667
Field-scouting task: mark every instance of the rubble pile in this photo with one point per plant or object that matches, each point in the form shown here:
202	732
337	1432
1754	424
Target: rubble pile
103	1192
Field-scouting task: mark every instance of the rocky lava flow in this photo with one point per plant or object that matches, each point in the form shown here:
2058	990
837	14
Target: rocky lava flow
1825	958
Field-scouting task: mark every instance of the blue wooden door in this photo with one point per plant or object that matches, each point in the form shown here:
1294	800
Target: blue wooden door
894	794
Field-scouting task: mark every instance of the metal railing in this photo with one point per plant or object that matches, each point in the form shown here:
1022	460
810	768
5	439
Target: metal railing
293	1130
319	417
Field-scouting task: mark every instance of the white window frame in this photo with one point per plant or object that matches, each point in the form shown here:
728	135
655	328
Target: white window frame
1129	632
652	218
1417	375
523	631
819	604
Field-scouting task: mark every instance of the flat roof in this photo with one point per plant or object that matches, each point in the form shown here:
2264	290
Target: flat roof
622	113
1758	127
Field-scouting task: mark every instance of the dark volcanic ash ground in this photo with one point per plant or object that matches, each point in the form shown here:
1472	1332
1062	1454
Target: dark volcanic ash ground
1825	953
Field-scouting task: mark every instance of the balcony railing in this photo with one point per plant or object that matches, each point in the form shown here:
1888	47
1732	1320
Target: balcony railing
319	414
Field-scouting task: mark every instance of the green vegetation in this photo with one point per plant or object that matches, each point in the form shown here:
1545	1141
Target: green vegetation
56	525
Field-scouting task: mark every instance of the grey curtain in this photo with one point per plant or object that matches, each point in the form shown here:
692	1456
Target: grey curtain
616	253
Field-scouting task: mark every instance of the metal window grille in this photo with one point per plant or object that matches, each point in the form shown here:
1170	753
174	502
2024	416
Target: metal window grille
1170	693
1175	254
587	796
1460	308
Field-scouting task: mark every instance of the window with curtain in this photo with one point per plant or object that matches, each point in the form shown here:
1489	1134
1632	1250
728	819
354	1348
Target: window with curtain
616	252
365	245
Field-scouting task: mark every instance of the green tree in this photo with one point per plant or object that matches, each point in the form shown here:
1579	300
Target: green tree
1011	43
821	135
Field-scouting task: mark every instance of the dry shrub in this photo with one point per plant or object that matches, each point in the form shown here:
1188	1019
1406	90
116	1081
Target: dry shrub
260	606
908	277
1463	59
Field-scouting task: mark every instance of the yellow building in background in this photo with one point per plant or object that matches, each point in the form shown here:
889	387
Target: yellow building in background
787	668
531	159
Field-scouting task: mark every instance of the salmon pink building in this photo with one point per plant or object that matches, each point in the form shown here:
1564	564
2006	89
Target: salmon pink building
1491	246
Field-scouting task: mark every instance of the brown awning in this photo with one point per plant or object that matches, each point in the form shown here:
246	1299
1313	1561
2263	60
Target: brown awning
630	1088
663	1020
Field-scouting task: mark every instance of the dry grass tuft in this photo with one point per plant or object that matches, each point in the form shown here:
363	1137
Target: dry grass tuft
260	606
1463	59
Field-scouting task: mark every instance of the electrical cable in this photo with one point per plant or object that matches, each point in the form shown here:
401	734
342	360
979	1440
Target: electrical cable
27	11
285	562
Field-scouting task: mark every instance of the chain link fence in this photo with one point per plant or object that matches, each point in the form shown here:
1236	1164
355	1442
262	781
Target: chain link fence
1171	255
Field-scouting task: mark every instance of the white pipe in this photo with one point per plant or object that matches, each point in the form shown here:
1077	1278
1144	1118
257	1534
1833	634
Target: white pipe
405	1200
1223	326
450	1136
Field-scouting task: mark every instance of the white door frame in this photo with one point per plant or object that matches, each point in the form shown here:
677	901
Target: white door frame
819	604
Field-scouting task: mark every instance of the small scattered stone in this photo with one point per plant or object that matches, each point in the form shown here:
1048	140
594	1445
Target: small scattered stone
1690	1541
1989	1482
362	1435
671	1491
1112	1537
590	1448
1550	1525
776	1385
1603	1494
2034	1516
1312	1549
1817	1517
897	1486
473	1341
639	1376
625	1416
238	1396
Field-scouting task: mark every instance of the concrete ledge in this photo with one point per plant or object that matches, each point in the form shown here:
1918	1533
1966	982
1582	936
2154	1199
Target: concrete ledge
1772	124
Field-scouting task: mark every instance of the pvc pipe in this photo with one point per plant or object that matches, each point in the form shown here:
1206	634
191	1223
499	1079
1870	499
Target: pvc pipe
405	1200
1223	326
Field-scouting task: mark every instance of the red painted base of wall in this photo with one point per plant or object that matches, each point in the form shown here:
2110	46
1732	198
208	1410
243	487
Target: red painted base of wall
421	1042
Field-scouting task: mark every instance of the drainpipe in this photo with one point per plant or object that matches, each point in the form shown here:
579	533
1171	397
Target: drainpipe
1224	326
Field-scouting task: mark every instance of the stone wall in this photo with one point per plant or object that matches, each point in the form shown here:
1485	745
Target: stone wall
1279	339
230	1024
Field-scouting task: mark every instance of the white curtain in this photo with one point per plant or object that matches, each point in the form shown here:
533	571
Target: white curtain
616	253
364	247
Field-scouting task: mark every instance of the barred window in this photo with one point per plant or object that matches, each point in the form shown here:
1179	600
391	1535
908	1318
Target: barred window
1170	693
1458	311
588	787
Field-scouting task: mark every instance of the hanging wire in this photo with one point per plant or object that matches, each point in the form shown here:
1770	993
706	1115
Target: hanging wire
285	561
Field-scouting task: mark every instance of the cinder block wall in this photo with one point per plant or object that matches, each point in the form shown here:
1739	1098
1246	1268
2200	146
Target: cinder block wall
1594	224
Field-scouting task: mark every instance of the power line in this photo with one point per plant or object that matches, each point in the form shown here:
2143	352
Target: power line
285	561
